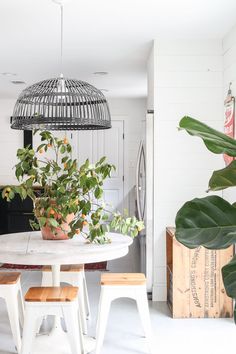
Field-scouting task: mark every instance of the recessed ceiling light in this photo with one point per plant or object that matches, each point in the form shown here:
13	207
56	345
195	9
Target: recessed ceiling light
8	74
18	82
102	73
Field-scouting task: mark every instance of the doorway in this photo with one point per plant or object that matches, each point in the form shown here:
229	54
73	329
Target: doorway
95	144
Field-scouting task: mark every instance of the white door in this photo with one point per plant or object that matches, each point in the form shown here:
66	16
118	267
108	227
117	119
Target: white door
110	143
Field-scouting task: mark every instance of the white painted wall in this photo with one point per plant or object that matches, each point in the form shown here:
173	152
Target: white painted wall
151	78
10	141
229	75
188	81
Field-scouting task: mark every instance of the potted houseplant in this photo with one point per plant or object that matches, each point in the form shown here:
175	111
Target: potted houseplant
67	198
211	221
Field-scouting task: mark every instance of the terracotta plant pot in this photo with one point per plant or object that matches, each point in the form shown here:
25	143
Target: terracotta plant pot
61	233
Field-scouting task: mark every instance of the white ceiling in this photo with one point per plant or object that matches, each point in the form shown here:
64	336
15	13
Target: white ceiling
99	35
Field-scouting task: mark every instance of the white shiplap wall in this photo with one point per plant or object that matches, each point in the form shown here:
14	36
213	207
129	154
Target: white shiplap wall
229	75
10	141
229	60
150	78
188	81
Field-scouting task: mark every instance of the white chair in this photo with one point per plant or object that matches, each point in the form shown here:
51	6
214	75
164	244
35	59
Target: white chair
118	285
56	301
74	275
10	291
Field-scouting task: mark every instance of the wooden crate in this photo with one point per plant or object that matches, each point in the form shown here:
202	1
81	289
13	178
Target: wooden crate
194	281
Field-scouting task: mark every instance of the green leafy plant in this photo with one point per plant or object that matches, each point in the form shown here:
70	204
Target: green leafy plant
211	221
71	196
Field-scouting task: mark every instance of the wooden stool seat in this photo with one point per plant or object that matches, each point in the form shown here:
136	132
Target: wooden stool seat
123	279
52	301
7	278
51	294
66	268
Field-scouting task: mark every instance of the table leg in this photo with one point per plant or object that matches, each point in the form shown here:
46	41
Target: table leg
56	274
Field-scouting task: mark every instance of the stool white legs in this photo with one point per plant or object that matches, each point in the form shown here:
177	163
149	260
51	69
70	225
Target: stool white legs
13	298
29	330
13	314
74	279
66	310
143	309
81	298
72	326
86	298
103	312
21	306
110	293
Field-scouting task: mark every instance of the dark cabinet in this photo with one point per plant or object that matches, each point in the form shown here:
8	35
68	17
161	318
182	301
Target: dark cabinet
15	215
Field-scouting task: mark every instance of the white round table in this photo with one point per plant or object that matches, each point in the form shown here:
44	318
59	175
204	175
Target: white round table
30	249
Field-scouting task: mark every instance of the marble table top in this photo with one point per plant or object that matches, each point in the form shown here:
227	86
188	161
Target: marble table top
29	248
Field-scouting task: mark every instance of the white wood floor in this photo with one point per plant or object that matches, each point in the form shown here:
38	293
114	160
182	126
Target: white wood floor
124	332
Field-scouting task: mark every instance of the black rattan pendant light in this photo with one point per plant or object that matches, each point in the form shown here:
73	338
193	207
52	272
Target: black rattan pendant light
61	104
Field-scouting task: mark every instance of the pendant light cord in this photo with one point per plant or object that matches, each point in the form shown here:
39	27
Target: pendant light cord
61	6
62	18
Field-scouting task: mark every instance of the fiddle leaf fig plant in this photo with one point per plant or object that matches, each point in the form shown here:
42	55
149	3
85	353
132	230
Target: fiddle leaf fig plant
211	221
67	197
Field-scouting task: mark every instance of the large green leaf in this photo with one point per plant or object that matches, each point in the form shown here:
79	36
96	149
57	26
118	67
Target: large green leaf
224	178
208	222
229	278
214	140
